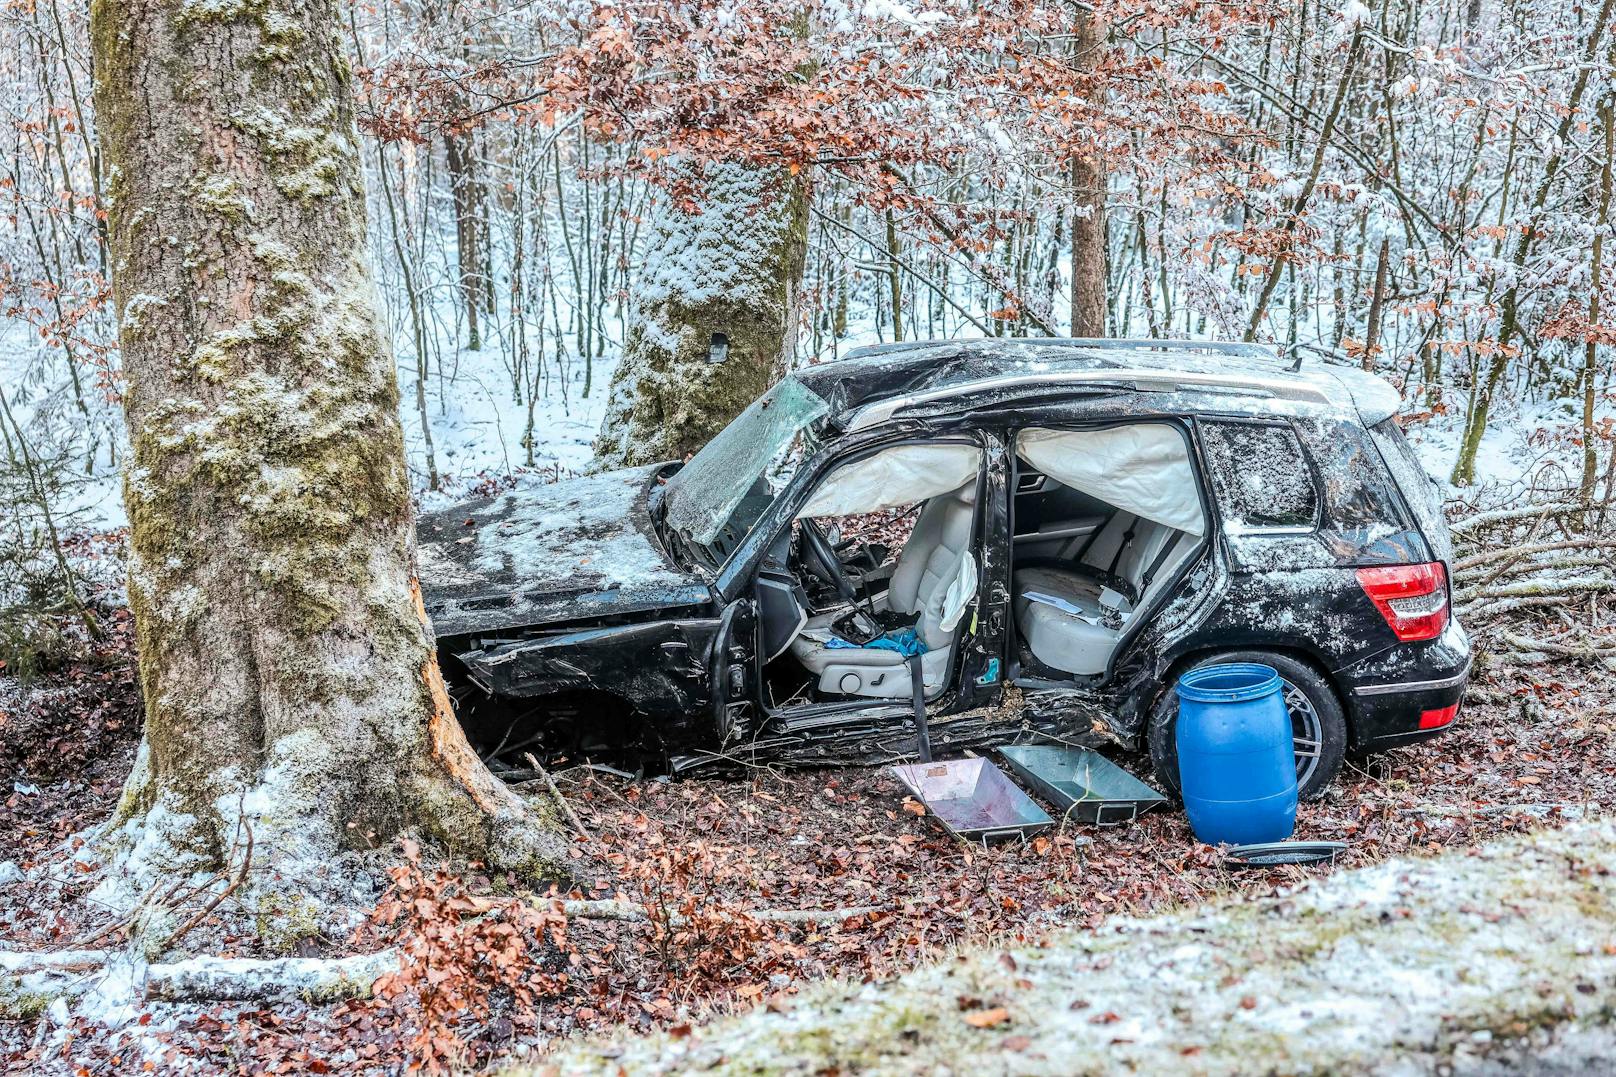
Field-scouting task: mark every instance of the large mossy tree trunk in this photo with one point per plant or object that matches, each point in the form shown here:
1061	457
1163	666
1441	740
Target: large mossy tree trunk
732	267
286	662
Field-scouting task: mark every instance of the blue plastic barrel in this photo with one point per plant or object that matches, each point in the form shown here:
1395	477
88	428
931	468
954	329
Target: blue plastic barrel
1236	759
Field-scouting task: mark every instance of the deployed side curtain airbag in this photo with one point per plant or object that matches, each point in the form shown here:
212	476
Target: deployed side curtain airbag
1144	469
960	594
900	475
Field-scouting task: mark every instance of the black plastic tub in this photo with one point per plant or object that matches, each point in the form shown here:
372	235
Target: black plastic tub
1082	785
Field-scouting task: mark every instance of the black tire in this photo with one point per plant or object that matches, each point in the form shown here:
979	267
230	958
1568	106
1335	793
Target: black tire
1304	687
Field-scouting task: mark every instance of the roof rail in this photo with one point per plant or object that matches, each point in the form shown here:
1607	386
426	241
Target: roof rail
1141	344
1146	344
1137	379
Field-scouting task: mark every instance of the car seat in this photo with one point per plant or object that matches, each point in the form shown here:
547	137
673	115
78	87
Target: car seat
931	563
1058	608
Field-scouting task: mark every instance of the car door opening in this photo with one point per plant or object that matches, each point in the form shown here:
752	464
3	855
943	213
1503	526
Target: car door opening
1104	520
884	553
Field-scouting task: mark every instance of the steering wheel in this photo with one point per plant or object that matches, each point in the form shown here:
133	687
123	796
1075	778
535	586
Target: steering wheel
823	562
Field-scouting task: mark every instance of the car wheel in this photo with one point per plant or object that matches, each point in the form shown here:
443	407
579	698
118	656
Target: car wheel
1317	722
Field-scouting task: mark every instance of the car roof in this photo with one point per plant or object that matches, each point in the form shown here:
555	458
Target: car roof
870	385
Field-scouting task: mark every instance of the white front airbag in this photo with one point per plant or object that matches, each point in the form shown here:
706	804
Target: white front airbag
897	476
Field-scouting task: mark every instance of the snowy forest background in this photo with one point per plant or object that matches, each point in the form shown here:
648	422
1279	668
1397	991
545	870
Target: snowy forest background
1419	186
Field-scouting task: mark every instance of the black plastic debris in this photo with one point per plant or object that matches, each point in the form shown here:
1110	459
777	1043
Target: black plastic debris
974	800
1084	785
1273	853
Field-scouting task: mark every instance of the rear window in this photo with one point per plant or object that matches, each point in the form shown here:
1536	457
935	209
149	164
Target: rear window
1364	518
1260	475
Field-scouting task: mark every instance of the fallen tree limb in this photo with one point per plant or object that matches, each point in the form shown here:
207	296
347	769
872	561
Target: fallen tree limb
1516	570
628	910
1570	811
1491	607
1553	585
1585	650
1525	512
31	980
231	886
285	979
633	912
1590	542
561	801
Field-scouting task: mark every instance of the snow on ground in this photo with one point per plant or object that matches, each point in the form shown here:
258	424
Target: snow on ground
1406	967
477	424
1514	446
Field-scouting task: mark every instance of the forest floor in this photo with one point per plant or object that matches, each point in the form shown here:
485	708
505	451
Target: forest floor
704	855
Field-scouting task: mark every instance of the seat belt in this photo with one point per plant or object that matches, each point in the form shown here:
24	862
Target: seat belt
1127	540
1161	559
922	733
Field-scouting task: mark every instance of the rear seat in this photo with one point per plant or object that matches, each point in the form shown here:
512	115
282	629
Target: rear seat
1058	607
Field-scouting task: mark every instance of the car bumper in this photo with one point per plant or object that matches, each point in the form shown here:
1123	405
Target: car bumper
1410	694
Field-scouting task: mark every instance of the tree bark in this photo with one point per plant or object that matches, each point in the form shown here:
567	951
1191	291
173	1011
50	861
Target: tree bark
1377	306
287	665
465	183
1590	349
733	267
1088	199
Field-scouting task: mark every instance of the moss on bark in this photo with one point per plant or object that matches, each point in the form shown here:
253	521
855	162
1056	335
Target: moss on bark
287	666
733	268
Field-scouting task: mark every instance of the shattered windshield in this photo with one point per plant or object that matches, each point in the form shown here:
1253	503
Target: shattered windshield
717	497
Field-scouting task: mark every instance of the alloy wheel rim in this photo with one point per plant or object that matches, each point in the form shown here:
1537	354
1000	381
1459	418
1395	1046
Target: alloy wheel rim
1307	731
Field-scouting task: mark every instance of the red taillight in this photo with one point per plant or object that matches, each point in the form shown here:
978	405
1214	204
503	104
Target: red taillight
1412	598
1440	717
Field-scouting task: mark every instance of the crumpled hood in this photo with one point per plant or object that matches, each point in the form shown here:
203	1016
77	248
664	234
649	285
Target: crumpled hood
547	552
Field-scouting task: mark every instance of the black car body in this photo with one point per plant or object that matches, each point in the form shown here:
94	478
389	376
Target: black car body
683	613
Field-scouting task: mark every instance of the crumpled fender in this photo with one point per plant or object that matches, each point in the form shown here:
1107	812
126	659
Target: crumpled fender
659	667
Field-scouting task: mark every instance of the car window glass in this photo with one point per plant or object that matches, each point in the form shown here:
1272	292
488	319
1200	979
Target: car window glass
1362	512
1419	491
1260	475
729	484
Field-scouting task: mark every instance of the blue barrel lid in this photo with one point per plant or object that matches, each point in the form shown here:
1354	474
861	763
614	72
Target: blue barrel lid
1233	682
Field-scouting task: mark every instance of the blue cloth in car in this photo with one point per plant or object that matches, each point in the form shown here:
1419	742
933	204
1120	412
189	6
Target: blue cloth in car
905	641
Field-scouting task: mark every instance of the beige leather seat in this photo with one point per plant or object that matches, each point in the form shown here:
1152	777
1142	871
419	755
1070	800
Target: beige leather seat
929	564
1058	609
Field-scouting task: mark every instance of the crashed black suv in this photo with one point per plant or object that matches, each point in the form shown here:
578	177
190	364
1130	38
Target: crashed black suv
1045	533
